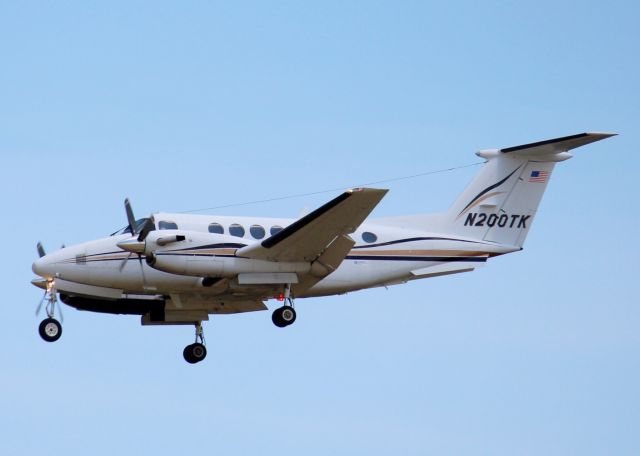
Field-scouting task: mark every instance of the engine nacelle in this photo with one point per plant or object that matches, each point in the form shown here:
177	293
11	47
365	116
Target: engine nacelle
207	255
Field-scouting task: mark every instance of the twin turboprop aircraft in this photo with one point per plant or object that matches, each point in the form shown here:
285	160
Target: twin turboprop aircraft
177	269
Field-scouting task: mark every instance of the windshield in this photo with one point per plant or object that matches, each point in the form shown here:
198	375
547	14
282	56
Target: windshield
139	224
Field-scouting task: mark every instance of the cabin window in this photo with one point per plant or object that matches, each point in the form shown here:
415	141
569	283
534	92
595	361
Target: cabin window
275	229
236	230
257	231
216	228
369	237
163	225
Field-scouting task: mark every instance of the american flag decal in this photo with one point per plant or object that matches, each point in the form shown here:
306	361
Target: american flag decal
539	176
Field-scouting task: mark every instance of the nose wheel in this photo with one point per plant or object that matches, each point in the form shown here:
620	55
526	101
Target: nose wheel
50	329
196	352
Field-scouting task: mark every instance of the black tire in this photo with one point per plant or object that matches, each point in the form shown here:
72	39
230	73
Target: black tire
276	318
50	329
194	353
187	355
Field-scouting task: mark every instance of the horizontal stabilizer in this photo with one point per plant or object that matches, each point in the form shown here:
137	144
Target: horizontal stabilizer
549	146
446	269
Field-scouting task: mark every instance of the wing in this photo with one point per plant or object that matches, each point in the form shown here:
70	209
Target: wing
309	237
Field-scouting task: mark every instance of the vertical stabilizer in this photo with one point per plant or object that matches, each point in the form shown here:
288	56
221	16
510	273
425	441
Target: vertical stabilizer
501	202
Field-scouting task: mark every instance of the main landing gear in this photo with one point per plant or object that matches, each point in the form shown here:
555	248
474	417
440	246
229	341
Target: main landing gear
50	329
285	315
196	352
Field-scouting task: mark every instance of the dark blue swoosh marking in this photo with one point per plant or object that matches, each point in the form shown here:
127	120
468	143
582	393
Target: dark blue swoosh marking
488	189
402	241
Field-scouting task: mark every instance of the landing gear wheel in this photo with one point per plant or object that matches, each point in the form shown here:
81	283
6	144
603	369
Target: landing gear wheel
50	329
194	353
283	316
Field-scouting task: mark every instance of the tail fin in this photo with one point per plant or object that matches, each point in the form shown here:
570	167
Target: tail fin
501	202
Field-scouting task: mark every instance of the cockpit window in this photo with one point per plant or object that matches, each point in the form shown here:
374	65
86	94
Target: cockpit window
163	225
139	224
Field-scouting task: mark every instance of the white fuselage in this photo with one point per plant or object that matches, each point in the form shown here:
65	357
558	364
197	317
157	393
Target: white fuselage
391	255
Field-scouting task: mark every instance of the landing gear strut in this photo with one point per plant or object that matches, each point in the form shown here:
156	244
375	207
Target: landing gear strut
285	315
50	329
196	352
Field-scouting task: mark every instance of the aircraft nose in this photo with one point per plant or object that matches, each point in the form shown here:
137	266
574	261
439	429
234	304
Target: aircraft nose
43	267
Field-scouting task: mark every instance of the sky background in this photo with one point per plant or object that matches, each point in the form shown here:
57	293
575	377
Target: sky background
188	105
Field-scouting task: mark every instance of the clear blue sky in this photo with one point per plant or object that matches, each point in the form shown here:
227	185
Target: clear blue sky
184	105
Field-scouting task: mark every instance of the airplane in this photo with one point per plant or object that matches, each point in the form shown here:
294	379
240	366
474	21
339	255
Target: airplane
177	269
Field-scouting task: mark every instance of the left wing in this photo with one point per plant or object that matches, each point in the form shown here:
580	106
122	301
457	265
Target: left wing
307	238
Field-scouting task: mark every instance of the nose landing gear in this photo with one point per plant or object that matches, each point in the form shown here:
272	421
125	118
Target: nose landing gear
50	329
196	352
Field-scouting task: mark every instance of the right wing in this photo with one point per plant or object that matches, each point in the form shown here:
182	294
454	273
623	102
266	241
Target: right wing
307	238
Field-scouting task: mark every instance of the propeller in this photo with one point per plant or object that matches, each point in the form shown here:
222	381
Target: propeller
40	248
49	293
39	308
139	231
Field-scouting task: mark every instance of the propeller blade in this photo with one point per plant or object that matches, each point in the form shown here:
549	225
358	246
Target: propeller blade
60	311
39	308
148	227
124	262
144	278
130	218
41	251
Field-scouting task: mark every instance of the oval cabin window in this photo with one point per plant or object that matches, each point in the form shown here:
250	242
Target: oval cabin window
369	237
216	228
236	230
257	231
